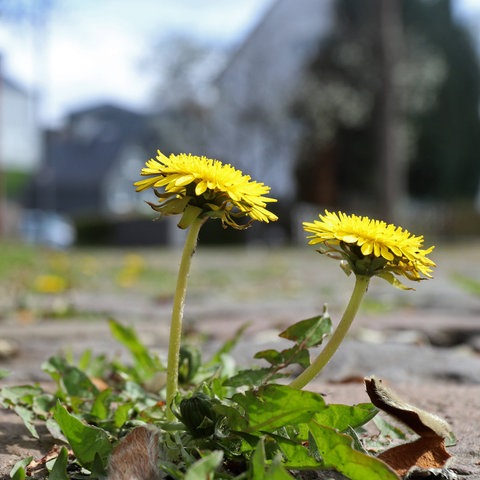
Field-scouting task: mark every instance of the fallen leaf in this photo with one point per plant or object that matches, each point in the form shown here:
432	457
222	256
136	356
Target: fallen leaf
37	466
427	452
420	421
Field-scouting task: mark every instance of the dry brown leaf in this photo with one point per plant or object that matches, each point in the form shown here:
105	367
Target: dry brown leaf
36	466
427	452
99	383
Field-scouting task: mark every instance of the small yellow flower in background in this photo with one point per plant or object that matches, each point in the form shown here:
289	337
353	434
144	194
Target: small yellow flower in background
134	261
50	284
134	265
371	247
89	266
200	187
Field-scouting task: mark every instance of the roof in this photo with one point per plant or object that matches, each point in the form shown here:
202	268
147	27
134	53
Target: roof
80	156
256	92
278	48
85	151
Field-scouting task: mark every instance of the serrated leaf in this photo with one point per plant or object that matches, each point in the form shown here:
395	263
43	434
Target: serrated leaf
86	441
294	356
274	406
338	453
309	332
251	377
271	356
297	453
340	417
285	357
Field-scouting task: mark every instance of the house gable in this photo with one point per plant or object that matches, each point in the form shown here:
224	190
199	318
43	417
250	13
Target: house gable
252	122
86	161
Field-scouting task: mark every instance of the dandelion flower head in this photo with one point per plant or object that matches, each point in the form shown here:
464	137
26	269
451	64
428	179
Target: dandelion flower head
197	186
371	247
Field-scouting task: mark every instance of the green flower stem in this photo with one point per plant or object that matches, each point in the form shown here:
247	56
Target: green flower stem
177	313
361	286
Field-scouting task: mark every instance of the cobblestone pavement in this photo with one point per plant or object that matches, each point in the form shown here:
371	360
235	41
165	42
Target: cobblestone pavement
425	344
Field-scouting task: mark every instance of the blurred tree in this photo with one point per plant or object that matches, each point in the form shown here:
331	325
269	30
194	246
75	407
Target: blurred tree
390	149
396	82
446	165
184	91
185	69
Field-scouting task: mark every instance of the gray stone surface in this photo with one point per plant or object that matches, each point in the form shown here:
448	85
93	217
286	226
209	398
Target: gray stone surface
424	343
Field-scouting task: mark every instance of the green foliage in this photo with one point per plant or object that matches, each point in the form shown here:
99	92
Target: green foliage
59	469
145	364
90	444
337	452
14	182
468	284
242	425
18	470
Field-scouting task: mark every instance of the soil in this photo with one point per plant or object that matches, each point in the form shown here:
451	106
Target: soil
426	348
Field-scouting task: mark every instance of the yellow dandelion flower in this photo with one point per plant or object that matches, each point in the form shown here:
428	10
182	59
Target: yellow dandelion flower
50	284
371	247
202	187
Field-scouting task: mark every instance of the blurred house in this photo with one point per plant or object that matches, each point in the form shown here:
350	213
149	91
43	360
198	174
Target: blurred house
252	120
244	116
302	105
20	147
20	134
88	171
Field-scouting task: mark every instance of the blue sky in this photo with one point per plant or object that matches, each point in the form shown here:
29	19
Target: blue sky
91	50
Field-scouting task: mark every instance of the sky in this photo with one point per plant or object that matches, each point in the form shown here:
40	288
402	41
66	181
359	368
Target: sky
93	50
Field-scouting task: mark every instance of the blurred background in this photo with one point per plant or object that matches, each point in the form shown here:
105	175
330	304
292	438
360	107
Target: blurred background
370	107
